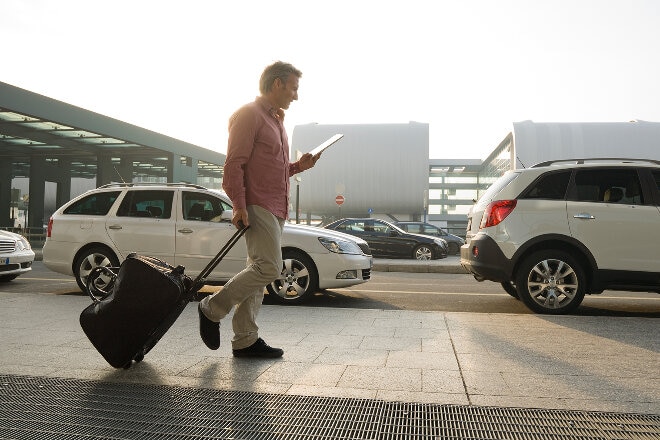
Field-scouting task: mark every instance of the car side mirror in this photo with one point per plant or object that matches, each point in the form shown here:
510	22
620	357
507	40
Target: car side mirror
226	215
393	233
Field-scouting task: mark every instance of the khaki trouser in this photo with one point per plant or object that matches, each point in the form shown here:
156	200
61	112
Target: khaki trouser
246	290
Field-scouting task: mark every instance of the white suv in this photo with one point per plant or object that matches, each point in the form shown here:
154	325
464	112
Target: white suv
186	225
562	229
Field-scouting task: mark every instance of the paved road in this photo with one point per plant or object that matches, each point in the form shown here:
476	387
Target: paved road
450	292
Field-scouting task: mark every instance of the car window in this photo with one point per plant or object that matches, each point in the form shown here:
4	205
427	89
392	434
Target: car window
203	207
416	229
432	230
352	226
146	203
656	177
94	204
608	185
549	186
381	228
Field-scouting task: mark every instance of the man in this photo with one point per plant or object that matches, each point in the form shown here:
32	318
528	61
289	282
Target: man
256	179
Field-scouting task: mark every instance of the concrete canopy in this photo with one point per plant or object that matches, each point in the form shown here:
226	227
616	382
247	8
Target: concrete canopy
48	140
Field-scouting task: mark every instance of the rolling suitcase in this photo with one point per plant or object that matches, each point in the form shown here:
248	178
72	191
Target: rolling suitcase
139	302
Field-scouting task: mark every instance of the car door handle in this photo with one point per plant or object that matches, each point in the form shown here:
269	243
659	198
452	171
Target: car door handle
584	216
114	227
186	231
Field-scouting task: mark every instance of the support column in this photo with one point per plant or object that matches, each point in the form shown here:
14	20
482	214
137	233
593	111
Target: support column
126	169
5	193
37	190
178	172
105	173
63	180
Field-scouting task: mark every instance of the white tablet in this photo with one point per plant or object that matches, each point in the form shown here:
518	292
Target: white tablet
326	144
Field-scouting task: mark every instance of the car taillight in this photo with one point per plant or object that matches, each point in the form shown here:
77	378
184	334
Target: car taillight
496	212
50	227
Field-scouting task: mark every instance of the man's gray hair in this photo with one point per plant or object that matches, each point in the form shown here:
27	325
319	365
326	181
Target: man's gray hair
276	70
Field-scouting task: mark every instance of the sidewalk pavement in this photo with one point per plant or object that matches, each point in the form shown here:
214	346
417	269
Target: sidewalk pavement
522	361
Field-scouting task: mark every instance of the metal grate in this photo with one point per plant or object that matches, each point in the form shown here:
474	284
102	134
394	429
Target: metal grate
54	408
7	246
366	274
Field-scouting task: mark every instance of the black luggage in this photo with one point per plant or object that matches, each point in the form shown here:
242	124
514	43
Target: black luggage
139	303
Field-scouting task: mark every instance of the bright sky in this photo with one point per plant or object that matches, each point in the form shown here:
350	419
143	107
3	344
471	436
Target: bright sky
468	68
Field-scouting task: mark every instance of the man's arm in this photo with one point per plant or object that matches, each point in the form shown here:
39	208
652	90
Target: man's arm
242	129
306	162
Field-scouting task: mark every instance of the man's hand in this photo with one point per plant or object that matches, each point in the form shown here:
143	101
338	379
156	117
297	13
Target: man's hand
240	218
307	161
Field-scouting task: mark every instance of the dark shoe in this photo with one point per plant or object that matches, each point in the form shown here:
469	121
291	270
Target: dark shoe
259	349
208	330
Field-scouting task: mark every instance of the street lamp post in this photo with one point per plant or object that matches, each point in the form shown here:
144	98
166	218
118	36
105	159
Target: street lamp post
297	199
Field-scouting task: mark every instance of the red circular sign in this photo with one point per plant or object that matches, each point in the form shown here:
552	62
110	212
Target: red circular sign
339	199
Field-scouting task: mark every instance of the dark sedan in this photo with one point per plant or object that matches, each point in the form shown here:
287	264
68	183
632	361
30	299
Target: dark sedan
389	241
455	242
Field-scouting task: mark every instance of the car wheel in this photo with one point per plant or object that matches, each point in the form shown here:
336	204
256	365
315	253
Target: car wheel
88	260
7	278
298	281
510	288
551	282
423	252
454	248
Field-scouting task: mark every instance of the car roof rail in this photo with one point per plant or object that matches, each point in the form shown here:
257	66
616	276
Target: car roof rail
173	184
581	161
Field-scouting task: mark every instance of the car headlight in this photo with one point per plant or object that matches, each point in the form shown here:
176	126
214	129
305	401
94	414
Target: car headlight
340	246
441	243
22	244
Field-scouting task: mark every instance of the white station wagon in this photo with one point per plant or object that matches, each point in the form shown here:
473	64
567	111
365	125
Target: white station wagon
186	224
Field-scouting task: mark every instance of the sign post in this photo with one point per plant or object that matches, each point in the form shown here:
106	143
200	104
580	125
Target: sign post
339	200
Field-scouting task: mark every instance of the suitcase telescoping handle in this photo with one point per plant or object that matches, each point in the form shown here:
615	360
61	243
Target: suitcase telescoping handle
199	281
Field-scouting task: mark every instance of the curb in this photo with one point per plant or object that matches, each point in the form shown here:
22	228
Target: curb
435	266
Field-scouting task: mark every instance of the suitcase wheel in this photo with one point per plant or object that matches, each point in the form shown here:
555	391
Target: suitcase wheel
138	358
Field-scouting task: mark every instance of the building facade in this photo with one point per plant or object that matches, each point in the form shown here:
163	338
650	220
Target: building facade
378	169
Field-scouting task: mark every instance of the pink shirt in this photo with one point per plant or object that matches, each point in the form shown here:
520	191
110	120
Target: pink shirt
257	167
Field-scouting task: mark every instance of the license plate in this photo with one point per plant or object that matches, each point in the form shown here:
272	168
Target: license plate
4	260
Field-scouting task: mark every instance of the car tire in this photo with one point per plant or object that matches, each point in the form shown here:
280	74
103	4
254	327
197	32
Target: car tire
510	288
90	258
423	253
551	282
7	278
453	248
298	281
